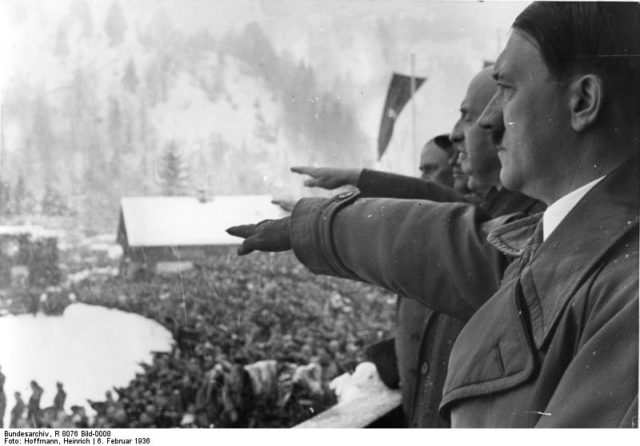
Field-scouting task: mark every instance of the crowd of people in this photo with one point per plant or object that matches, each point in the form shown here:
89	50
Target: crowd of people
515	259
230	316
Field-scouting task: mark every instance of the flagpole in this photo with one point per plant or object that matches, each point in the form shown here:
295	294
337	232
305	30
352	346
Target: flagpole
414	143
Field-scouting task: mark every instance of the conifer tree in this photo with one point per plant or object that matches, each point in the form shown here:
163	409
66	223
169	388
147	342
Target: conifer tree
173	172
130	79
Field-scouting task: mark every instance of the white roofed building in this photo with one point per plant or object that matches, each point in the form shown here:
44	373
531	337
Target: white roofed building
154	230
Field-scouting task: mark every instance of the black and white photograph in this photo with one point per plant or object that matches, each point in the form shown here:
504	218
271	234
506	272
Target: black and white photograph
308	214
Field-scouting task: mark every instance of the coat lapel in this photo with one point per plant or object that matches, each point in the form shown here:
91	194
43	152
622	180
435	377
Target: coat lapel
576	246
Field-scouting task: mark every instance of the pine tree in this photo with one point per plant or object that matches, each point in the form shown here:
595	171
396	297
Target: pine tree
130	79
116	139
115	25
43	138
173	173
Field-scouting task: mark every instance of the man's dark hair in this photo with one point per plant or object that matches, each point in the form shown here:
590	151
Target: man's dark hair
602	38
443	142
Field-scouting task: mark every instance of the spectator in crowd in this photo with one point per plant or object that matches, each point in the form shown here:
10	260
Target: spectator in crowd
557	344
60	398
79	417
17	410
33	409
3	398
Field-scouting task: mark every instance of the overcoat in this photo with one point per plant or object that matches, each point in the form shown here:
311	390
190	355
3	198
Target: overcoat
557	343
562	350
424	337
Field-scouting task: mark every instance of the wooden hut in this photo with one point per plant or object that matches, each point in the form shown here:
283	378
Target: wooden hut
169	233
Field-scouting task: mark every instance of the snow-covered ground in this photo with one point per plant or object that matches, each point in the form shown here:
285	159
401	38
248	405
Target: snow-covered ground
89	348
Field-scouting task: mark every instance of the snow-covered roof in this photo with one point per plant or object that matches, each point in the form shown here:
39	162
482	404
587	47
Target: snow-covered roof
185	221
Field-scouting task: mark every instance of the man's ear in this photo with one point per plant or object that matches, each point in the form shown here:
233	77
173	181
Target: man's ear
585	101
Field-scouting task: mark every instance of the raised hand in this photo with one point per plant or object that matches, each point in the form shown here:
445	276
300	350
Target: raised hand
328	177
268	235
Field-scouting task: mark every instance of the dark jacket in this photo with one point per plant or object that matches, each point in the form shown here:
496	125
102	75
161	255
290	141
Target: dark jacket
567	321
424	337
562	350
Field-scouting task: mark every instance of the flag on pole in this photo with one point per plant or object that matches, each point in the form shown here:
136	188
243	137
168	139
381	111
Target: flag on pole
398	95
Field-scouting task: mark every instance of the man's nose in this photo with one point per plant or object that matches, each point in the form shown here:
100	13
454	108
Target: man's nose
491	117
456	133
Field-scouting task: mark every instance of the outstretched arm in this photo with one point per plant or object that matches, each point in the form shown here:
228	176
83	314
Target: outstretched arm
373	183
435	253
328	177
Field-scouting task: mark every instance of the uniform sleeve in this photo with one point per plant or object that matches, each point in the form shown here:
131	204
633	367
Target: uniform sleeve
373	183
435	253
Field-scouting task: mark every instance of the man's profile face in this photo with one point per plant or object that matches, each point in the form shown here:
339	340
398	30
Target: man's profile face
529	119
478	157
434	165
460	179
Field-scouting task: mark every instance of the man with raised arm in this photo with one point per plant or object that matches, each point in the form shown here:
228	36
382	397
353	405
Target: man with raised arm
437	182
420	384
557	344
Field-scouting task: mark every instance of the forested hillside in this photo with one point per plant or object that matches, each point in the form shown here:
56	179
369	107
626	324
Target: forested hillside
143	109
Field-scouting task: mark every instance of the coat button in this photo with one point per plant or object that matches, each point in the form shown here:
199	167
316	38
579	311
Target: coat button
424	368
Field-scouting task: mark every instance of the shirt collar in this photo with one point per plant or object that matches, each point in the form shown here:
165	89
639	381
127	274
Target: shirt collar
559	210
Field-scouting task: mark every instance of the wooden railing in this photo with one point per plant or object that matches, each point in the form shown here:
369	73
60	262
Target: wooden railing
363	411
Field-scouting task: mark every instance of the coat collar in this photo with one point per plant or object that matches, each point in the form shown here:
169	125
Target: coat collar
585	235
513	237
